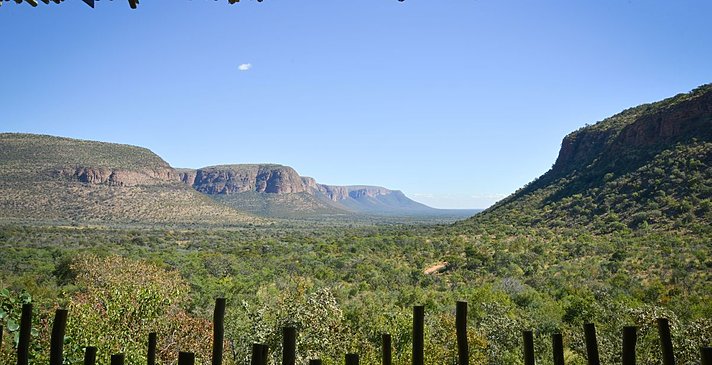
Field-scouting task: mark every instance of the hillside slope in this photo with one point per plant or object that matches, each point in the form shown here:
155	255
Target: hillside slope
647	167
53	179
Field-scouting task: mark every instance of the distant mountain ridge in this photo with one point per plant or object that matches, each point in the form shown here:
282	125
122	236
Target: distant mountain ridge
648	166
56	179
228	183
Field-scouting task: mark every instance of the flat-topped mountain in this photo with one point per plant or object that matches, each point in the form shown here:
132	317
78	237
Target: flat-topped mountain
646	167
54	179
230	179
86	161
277	190
64	180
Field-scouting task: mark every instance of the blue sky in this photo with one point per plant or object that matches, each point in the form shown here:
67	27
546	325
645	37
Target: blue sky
458	103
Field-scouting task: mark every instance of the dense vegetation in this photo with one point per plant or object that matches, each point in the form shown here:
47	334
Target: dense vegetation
30	153
342	288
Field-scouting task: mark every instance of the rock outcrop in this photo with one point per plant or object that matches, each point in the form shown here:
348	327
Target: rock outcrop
118	177
230	179
659	123
61	180
187	176
277	179
690	117
337	193
643	165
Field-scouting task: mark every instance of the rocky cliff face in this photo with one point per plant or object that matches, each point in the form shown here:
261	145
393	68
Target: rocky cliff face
310	183
230	179
644	164
273	179
678	118
579	148
118	177
220	181
187	176
337	193
54	179
688	118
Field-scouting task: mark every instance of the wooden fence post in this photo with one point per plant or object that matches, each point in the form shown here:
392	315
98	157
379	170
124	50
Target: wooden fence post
557	343
706	356
59	327
1	333
117	359
528	347
289	345
256	354
418	336
186	358
630	336
90	355
666	341
589	330
463	351
151	355
259	354
386	354
265	354
351	359
23	346
218	330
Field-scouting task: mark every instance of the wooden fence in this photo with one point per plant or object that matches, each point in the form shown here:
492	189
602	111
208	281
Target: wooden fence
289	342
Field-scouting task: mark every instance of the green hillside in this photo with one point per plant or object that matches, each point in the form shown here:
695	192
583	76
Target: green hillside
648	167
41	152
60	180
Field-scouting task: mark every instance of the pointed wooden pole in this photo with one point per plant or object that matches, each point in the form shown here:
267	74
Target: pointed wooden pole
589	330
23	346
706	356
666	341
151	355
463	354
265	354
256	354
289	345
557	342
90	355
186	358
418	334
351	359
528	337
117	359
386	349
630	336
59	327
218	330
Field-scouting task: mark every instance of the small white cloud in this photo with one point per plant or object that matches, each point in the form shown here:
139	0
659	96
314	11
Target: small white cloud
244	66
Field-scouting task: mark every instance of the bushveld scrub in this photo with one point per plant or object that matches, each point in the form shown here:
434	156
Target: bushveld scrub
362	282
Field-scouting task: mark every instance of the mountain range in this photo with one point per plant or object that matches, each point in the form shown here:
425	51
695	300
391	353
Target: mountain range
59	179
279	191
648	167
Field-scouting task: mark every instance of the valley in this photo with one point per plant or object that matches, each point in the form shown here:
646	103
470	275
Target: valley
616	233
